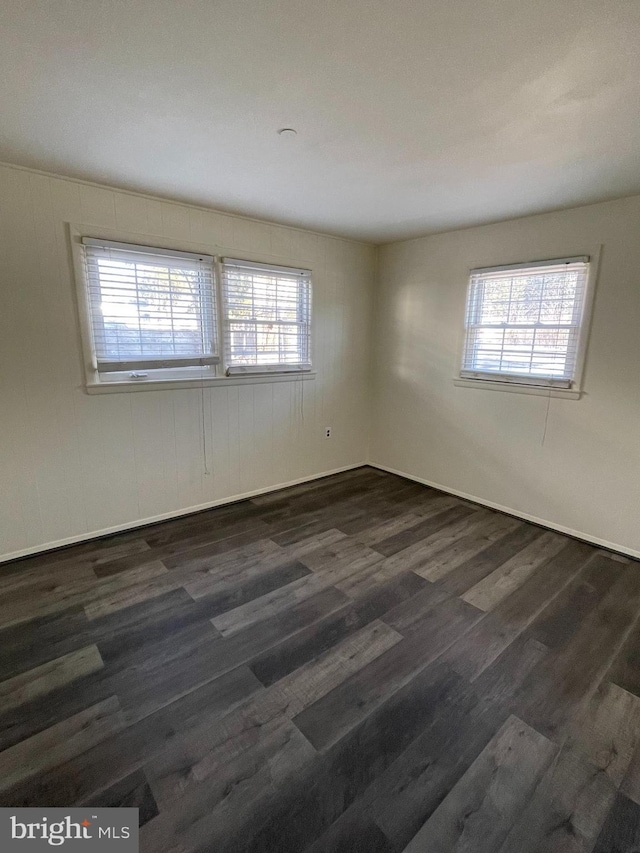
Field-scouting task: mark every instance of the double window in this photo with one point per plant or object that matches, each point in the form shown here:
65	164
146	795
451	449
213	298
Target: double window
155	314
525	323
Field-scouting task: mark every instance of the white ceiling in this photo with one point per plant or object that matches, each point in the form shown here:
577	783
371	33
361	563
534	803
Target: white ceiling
412	115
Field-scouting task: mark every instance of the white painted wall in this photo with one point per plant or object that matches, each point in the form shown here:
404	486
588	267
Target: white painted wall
585	476
72	465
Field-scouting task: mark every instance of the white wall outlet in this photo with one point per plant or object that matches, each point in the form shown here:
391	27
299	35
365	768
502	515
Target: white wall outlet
327	432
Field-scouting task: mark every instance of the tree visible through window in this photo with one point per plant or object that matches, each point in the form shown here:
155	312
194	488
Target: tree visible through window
524	323
149	308
152	314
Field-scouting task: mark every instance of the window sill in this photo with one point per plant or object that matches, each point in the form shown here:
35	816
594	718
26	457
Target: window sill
536	390
174	384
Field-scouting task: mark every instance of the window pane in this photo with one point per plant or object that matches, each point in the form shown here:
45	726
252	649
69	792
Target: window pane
149	308
525	322
268	316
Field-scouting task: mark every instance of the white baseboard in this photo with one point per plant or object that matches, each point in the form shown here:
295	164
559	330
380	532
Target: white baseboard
543	522
121	528
143	522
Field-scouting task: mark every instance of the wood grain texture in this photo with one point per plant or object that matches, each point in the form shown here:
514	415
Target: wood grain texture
422	530
630	786
562	683
480	646
608	733
621	832
41	639
50	598
268	605
327	720
317	638
48	677
60	743
493	553
471	539
567	810
131	792
410	790
504	580
294	816
481	808
359	664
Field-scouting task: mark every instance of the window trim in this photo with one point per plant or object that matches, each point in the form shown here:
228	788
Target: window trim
198	377
516	388
575	389
169	384
134	368
275	369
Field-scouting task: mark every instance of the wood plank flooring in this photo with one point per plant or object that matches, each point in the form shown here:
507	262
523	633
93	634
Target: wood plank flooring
358	664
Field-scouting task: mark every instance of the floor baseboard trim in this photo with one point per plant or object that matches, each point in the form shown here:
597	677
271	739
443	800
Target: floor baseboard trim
559	528
166	516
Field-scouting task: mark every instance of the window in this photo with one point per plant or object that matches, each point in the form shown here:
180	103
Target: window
525	323
152	312
154	315
267	317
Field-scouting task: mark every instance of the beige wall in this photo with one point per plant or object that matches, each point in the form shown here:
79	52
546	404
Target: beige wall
72	464
585	476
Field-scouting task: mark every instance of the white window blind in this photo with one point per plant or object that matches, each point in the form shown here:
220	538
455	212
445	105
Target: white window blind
149	308
267	317
523	323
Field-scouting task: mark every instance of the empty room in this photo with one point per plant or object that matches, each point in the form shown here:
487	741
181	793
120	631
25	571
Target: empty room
320	426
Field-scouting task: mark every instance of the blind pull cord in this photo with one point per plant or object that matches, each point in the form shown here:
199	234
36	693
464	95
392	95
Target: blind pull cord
546	419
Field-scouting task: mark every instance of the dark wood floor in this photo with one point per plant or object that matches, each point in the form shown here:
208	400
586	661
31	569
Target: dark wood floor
356	665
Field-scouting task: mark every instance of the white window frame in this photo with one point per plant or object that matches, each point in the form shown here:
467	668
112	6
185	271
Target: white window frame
527	384
305	326
166	378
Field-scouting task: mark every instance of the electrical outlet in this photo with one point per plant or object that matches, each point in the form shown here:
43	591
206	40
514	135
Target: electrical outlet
327	432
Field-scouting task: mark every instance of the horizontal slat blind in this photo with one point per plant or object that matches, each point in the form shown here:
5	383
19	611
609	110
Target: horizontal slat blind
267	317
523	324
149	308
